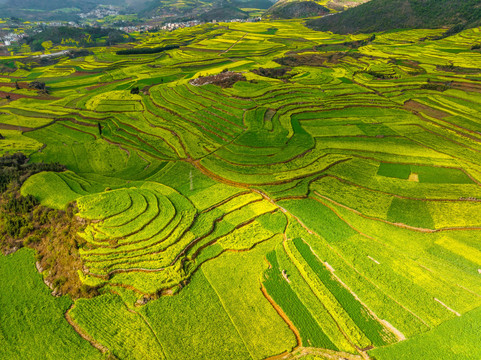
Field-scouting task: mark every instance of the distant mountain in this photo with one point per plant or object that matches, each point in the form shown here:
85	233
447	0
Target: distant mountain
201	9
224	12
289	9
341	5
381	15
60	9
292	9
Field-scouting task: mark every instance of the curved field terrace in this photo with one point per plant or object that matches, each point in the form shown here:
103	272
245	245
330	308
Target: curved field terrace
329	208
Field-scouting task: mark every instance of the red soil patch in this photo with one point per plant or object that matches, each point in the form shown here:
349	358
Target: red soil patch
418	107
225	79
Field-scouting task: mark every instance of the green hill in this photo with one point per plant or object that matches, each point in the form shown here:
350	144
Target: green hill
381	15
201	9
86	37
38	10
224	12
292	9
287	9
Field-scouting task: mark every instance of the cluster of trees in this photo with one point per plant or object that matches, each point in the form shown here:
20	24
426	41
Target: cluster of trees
275	73
380	75
435	87
21	204
84	37
40	86
153	50
52	233
16	169
15	217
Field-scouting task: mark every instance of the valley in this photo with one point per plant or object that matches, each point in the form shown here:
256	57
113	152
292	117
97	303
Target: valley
243	190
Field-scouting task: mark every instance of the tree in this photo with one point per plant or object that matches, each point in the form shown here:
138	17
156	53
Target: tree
135	90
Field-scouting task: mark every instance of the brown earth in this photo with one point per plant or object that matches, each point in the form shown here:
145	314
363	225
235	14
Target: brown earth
225	79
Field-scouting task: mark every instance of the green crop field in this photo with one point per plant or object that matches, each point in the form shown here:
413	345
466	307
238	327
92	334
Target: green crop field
32	320
254	191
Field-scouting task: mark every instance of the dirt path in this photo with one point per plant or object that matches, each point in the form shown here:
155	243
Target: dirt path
341	328
234	44
14	127
328	354
399	335
447	307
284	317
83	334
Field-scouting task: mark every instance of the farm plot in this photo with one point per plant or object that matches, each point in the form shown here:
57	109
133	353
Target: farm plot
330	211
135	225
125	333
185	319
32	321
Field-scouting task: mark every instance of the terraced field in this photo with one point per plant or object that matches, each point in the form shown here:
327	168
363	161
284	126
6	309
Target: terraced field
328	210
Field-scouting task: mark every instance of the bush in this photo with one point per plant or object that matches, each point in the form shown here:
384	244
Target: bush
13	226
58	282
153	50
31	240
21	205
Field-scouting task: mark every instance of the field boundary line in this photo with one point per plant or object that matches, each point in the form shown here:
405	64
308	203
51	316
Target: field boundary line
228	315
84	335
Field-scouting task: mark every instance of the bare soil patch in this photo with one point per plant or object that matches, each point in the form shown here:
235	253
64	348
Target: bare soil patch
225	79
418	107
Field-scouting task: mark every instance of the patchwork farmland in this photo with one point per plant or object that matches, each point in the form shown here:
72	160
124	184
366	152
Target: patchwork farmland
260	191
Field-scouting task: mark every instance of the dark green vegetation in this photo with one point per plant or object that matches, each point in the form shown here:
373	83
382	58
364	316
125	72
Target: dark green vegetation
288	9
85	37
53	233
204	10
61	9
260	190
381	15
148	50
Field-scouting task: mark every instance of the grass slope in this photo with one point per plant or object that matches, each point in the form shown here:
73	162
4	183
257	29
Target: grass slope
287	9
382	15
32	322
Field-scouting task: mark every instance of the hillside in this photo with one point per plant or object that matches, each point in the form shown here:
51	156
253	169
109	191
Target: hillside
201	9
236	191
297	9
86	37
288	9
224	12
62	4
382	15
37	10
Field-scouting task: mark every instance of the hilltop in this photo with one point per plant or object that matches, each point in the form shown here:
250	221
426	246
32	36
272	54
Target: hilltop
62	9
382	15
288	9
294	9
201	9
